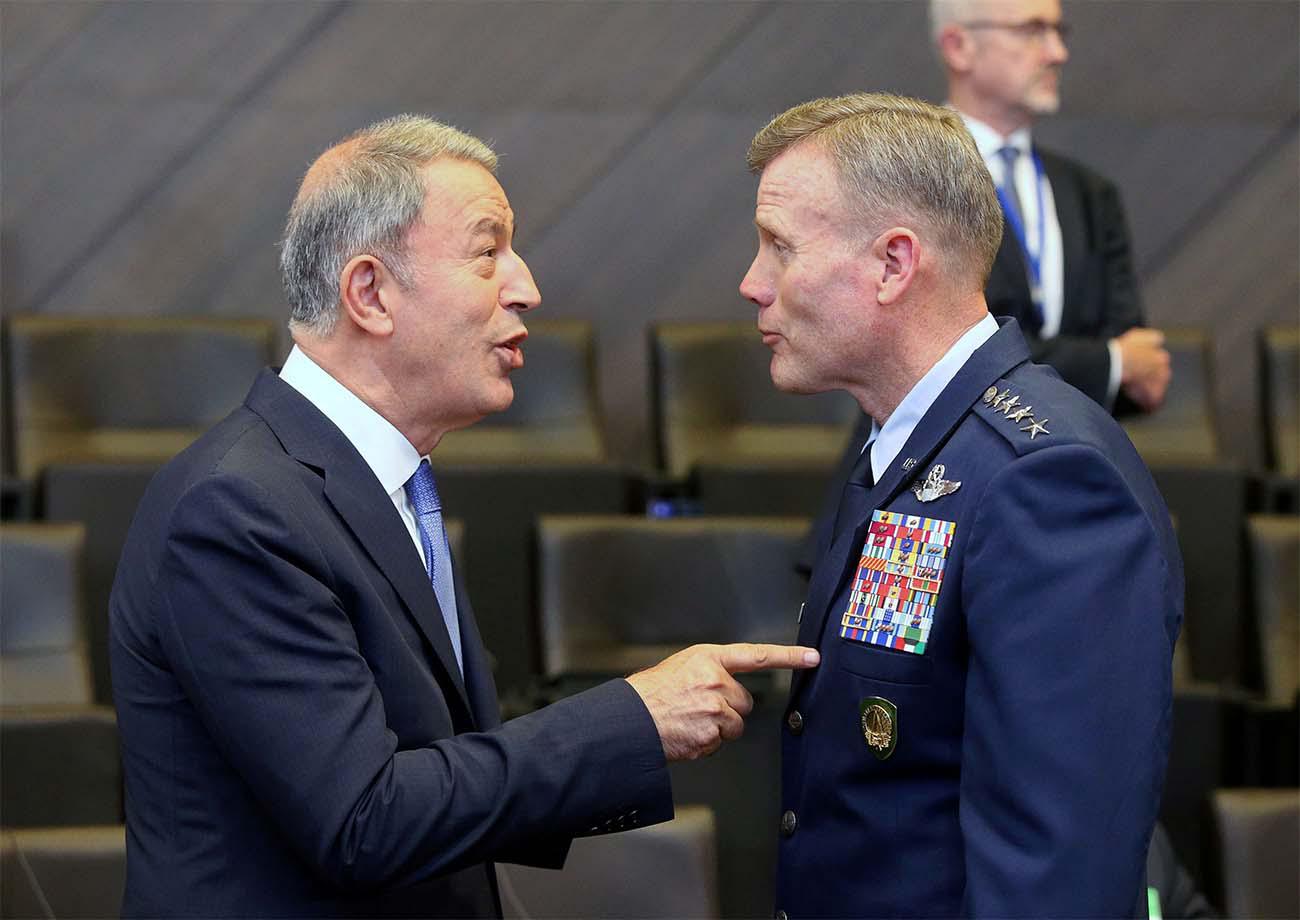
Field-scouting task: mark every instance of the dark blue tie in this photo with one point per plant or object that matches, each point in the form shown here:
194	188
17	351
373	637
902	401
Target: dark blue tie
423	492
1009	156
857	490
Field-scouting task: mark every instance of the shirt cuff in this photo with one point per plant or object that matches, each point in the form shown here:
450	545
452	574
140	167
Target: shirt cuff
1116	373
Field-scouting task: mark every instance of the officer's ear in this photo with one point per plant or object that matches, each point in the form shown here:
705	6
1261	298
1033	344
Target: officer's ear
897	251
366	287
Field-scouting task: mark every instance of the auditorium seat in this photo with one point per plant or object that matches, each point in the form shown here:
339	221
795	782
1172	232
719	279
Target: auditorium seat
1275	578
1280	372
1183	429
60	765
751	448
43	650
1208	501
555	416
664	871
102	495
125	388
62	873
619	593
1259	843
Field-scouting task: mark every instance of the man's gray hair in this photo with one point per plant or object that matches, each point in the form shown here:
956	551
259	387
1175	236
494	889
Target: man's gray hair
362	196
946	12
898	160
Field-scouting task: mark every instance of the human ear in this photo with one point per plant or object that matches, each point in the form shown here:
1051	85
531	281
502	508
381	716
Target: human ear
364	286
898	251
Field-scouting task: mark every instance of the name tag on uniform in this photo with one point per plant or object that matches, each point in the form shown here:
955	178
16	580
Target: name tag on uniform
897	582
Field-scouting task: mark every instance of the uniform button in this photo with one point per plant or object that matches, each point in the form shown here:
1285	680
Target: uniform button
782	915
795	721
789	821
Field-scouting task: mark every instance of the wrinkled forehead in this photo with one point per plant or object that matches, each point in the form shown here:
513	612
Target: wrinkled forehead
462	196
804	182
1013	11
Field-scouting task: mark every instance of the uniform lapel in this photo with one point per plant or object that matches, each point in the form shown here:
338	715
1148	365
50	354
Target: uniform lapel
992	360
358	498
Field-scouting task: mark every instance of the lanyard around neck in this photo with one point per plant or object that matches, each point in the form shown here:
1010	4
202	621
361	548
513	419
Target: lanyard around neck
1033	258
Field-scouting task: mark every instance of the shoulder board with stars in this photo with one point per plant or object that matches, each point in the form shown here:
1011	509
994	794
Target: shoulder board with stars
1008	406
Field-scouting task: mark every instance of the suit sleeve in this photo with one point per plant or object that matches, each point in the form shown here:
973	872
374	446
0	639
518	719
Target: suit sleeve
1068	693
261	642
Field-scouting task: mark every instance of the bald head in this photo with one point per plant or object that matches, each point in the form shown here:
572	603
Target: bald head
362	195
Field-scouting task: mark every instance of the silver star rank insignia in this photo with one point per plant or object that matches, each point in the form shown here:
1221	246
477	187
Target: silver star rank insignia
1036	428
935	486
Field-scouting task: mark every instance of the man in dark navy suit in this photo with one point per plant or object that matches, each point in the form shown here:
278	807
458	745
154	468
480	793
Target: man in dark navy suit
996	594
308	718
1065	268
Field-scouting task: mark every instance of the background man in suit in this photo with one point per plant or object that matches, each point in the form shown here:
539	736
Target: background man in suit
1064	269
309	723
997	594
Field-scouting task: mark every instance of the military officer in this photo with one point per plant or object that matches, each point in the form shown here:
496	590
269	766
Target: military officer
997	596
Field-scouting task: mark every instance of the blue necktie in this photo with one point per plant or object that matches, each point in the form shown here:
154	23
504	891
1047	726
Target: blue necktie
1009	156
857	490
423	492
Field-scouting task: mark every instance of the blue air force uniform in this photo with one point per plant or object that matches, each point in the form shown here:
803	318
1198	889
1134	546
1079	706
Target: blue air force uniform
987	732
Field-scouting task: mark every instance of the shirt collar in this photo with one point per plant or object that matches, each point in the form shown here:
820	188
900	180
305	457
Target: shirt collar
989	141
889	439
385	449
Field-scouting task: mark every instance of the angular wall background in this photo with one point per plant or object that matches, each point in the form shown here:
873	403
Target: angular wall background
149	150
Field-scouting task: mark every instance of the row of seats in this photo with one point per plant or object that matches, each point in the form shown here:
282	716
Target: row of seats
141	388
63	873
614	593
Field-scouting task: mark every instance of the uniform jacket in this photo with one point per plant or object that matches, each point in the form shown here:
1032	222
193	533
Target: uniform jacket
296	735
1100	293
1034	611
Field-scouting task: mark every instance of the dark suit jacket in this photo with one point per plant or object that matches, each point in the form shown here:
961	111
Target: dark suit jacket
297	738
1100	293
1032	718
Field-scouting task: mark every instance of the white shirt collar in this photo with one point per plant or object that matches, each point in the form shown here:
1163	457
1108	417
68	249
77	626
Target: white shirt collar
886	442
384	448
989	141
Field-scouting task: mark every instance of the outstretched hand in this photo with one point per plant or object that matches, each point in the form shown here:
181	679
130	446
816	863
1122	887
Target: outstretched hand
694	700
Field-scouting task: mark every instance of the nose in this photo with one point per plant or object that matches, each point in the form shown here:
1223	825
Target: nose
520	292
754	288
1056	50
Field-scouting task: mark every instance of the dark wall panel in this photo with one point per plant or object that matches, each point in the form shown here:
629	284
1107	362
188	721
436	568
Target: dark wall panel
149	150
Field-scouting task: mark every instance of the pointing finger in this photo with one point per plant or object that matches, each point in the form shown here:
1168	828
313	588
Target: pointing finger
742	657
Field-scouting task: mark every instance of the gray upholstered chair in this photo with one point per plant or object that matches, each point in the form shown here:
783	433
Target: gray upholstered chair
1275	576
555	416
63	873
667	870
43	650
125	388
715	405
1280	372
1183	429
618	593
1259	843
61	766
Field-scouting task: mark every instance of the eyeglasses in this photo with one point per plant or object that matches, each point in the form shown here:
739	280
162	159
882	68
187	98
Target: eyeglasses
1031	29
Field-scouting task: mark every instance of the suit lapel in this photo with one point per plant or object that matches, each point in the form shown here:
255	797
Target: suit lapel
358	498
1074	230
992	360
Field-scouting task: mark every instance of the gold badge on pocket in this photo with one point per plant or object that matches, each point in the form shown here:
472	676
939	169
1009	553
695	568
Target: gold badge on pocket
879	720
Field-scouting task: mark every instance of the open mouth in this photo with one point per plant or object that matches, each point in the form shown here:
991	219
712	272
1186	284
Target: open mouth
512	355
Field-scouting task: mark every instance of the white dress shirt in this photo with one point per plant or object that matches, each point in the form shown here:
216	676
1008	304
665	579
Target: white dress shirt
1052	257
385	449
887	441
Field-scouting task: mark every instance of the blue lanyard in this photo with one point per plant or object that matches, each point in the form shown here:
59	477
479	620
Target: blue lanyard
1034	260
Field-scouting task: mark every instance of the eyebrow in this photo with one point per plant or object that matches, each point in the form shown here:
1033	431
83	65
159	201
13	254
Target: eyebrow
492	225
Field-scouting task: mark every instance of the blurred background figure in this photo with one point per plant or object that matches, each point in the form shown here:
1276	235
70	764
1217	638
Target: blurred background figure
1065	269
